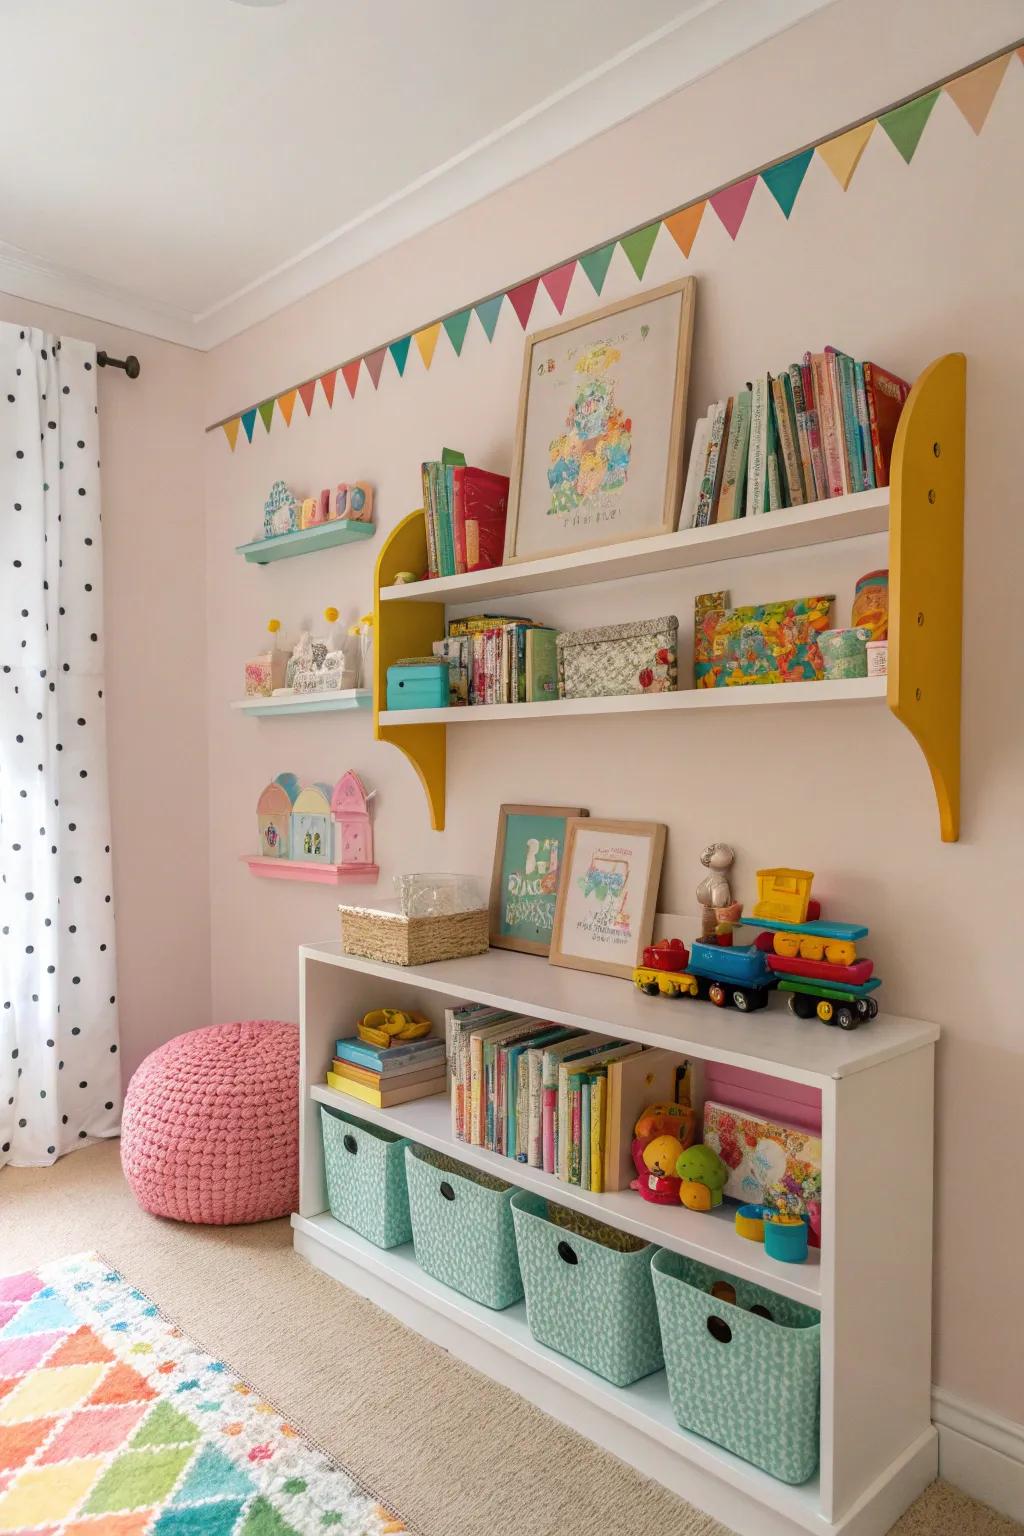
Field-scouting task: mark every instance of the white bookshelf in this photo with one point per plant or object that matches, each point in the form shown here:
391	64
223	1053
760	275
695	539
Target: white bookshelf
871	1281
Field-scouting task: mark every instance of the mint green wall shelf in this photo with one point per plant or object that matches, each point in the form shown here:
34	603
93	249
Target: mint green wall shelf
286	545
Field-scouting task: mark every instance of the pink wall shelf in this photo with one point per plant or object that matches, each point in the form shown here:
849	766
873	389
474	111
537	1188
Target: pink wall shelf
300	869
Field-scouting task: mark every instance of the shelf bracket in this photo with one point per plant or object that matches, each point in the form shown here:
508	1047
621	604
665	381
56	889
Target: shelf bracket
401	630
926	539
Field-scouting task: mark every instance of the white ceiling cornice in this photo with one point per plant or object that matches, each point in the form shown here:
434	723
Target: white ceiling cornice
664	61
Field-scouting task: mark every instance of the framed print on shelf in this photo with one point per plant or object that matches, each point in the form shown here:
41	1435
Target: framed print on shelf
528	858
607	895
599	436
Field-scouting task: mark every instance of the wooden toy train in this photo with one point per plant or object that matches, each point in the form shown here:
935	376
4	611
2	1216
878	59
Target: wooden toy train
814	962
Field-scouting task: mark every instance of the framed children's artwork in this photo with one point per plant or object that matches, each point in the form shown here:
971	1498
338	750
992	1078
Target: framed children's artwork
599	437
528	857
607	895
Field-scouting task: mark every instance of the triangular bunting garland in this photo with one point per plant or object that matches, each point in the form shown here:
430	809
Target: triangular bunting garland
905	124
266	410
400	352
456	327
249	421
731	204
639	245
286	404
374	363
842	154
487	314
557	283
306	393
426	341
683	226
521	298
785	179
350	373
231	432
596	263
328	380
975	92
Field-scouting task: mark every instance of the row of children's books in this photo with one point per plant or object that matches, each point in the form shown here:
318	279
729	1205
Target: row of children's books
465	510
407	1069
552	1097
821	428
495	659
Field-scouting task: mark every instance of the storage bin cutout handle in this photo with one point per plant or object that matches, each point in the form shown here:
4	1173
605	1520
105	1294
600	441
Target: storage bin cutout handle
719	1330
446	1191
349	1142
567	1254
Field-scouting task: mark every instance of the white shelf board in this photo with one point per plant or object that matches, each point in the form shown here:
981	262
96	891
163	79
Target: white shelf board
644	1405
306	703
769	1040
771	695
710	1237
822	522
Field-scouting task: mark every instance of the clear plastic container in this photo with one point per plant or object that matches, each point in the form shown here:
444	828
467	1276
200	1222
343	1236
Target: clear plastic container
423	895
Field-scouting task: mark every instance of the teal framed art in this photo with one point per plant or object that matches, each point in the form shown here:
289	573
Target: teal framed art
528	856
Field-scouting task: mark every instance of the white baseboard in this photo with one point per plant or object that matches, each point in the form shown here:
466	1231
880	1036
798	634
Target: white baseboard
980	1452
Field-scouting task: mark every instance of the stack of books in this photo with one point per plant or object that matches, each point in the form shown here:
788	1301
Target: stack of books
408	1069
465	510
548	1096
818	429
496	659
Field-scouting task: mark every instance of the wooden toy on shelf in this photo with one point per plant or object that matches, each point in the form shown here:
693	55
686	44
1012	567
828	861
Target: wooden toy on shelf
383	1026
702	1176
661	1134
664	971
314	832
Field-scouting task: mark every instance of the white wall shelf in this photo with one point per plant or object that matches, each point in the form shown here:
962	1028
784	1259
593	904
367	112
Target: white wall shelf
871	1281
845	517
306	703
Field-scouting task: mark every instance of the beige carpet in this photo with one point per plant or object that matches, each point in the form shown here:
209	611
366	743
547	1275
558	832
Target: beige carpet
455	1453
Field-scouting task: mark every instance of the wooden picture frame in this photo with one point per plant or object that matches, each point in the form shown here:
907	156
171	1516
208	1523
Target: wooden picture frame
516	935
605	862
557	517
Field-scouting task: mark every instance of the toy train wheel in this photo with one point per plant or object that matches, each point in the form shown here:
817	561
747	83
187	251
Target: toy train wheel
801	1006
716	993
741	1000
872	1008
846	1018
650	987
861	1008
825	1011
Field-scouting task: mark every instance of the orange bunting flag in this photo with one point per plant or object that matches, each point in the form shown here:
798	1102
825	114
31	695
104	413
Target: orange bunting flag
683	226
350	373
842	154
231	432
286	404
306	392
975	92
426	341
328	381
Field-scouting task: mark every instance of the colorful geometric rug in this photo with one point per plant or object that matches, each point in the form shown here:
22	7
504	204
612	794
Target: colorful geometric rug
113	1423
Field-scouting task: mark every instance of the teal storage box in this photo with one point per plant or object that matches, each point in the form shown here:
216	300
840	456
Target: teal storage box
743	1374
365	1167
418	685
589	1293
462	1227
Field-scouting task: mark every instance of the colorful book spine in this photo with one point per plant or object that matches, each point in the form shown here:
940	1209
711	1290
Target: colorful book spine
695	472
757	459
548	1104
428	519
864	427
844	372
598	1094
711	478
584	1154
731	502
826	406
575	1131
776	495
886	394
790	454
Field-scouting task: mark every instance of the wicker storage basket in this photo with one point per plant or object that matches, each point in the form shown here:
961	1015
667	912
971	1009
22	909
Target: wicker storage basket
386	934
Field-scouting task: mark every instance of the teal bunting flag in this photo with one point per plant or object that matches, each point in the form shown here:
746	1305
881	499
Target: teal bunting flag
400	352
785	179
456	327
596	263
487	314
249	421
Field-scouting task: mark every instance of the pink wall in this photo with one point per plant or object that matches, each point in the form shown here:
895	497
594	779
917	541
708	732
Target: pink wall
910	262
155	600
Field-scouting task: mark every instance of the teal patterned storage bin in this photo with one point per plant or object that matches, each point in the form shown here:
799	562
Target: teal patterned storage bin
365	1168
745	1379
462	1227
588	1290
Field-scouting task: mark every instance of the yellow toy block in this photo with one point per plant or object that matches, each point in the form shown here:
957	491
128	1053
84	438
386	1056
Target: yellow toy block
783	894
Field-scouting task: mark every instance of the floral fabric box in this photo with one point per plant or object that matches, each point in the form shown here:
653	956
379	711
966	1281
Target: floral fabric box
768	1163
770	643
619	658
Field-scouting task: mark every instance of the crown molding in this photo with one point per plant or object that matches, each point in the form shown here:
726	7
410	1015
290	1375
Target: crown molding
658	64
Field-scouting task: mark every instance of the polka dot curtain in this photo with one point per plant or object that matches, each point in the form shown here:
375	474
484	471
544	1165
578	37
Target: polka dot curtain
59	1064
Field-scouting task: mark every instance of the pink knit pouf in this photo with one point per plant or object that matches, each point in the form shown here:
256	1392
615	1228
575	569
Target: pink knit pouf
210	1131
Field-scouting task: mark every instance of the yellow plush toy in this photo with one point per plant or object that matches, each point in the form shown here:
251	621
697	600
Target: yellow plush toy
662	1154
383	1025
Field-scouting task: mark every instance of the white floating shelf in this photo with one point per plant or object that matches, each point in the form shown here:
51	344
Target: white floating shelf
754	696
306	703
710	1237
822	522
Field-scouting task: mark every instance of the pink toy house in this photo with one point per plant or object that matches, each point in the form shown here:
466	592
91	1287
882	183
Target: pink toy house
353	838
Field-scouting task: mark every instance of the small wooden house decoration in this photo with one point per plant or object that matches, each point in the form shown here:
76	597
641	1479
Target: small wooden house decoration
312	827
353	834
274	814
280	511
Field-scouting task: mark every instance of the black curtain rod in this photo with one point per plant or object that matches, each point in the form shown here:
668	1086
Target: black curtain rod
130	364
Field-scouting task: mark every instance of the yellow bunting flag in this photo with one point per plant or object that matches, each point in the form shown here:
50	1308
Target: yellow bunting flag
231	432
975	92
842	154
426	341
286	404
683	226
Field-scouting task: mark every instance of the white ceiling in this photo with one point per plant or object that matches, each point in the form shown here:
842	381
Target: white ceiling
187	167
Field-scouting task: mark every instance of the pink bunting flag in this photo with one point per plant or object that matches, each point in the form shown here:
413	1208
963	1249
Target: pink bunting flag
557	283
374	363
350	373
521	299
732	202
306	393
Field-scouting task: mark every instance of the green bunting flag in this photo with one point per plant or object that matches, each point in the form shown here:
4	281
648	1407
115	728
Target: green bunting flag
487	314
905	124
596	263
639	245
456	327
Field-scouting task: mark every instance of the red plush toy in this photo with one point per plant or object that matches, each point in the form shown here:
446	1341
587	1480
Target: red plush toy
661	1134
